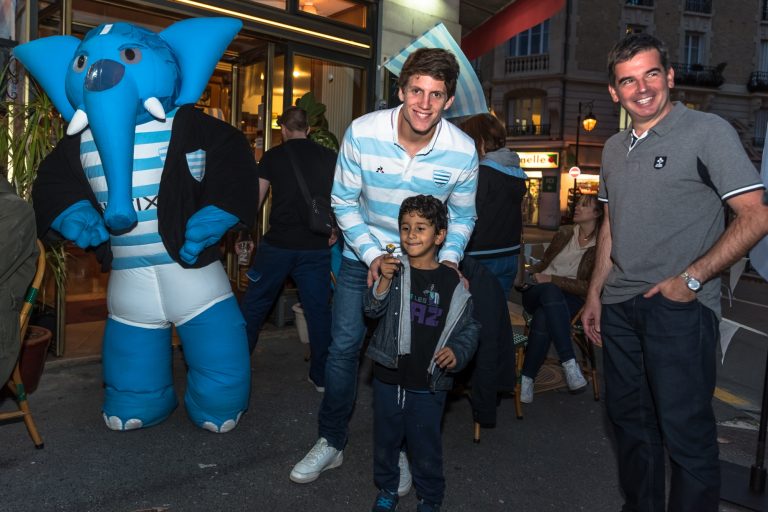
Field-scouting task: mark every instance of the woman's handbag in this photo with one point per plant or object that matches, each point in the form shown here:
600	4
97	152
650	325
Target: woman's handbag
321	218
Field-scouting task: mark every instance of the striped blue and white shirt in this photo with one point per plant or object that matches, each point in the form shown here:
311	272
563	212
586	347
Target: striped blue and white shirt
374	174
142	246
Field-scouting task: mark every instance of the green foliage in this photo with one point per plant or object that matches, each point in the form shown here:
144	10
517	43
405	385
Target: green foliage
28	132
318	124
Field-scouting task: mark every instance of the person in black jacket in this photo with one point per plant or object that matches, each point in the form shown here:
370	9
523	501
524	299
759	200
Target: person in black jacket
501	187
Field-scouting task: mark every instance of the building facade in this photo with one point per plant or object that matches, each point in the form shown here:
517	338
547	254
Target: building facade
542	83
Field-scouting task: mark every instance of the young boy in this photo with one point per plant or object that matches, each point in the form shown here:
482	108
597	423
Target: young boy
427	331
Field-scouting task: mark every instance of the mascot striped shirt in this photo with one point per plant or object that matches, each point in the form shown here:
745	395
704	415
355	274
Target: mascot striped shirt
374	174
141	246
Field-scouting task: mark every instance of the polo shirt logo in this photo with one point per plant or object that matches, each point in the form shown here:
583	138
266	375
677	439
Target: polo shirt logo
659	162
441	177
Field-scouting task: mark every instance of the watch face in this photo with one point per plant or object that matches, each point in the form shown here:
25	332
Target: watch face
694	284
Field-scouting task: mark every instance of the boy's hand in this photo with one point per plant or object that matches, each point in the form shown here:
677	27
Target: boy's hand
389	266
445	358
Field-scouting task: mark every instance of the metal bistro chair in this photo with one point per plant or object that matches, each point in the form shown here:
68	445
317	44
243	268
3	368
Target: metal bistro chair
15	383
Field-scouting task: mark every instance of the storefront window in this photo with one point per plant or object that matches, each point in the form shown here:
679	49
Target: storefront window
342	11
339	87
252	122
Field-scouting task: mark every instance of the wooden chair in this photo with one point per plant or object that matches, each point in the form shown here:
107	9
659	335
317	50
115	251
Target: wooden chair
15	383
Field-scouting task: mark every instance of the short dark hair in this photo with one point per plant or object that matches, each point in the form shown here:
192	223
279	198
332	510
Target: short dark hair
433	62
487	132
294	119
429	207
630	46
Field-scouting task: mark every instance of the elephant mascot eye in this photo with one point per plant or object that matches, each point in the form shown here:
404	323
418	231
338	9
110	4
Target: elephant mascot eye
79	64
130	55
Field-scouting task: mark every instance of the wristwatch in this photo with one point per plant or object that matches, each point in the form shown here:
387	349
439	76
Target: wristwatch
691	282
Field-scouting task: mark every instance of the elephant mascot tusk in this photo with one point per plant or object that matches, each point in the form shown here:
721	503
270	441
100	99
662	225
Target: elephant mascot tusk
152	184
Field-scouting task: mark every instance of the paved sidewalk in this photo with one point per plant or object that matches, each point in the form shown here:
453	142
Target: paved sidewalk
558	458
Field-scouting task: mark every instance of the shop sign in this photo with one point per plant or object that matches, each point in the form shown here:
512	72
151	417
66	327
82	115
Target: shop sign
539	160
574	172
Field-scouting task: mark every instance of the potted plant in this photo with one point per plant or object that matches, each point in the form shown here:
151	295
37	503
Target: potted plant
318	124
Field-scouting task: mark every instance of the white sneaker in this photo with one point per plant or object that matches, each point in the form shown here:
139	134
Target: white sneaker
526	389
320	389
573	375
319	458
404	487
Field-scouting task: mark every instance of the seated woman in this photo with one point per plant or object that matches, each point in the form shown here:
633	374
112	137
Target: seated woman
555	293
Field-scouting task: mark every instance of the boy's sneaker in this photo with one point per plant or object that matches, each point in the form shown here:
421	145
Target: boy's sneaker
423	506
574	377
319	458
526	389
404	487
385	502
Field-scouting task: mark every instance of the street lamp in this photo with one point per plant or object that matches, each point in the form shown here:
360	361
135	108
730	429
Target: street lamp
588	123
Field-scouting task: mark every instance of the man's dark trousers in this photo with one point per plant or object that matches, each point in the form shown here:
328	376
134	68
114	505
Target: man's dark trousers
311	271
659	379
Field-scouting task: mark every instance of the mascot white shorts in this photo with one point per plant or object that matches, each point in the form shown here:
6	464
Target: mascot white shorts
155	297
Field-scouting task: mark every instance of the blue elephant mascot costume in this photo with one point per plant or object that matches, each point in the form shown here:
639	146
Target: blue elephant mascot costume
152	184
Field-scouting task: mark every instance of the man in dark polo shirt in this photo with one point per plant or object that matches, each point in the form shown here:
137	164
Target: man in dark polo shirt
289	247
659	257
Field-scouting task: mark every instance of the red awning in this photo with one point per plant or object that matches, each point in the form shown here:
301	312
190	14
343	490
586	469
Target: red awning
510	21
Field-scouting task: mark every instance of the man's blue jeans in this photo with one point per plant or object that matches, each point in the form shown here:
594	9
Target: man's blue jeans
659	380
311	271
505	270
348	332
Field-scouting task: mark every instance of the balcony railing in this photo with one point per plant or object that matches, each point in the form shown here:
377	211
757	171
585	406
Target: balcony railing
702	6
527	63
699	75
644	3
758	81
527	130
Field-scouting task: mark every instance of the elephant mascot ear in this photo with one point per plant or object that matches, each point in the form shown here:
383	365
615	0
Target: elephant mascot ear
48	60
198	44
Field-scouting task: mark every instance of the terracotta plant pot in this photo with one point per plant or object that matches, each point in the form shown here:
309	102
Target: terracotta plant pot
34	351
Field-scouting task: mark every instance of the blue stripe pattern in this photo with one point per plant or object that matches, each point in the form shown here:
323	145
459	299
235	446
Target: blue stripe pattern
374	175
142	246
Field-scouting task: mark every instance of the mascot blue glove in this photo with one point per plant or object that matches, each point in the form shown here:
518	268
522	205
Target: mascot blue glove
204	229
160	183
82	224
